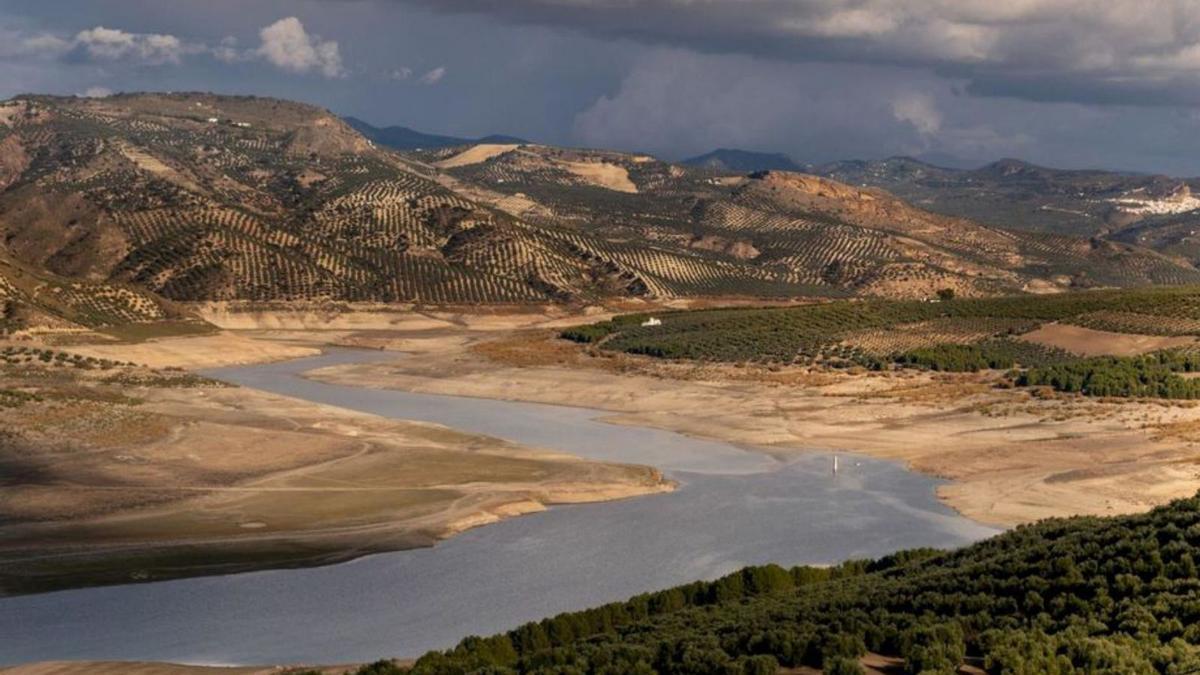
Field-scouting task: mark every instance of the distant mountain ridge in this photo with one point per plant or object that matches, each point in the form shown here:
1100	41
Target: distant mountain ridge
743	161
405	138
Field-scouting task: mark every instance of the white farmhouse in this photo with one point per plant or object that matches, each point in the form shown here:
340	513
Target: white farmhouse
652	321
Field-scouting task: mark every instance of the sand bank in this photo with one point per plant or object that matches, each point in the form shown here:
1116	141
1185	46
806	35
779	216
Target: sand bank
1013	457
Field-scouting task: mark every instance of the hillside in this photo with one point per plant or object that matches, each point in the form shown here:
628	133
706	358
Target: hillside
58	309
1150	210
404	138
743	161
199	197
809	230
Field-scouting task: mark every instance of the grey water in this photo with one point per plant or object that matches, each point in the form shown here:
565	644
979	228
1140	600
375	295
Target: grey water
734	507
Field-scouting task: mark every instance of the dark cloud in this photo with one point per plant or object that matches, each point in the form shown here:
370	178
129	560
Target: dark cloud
1139	52
1068	83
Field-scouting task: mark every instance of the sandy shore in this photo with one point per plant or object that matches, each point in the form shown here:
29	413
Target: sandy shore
1013	457
129	474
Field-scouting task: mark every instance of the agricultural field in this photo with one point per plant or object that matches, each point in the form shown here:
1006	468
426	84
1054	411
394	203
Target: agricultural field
794	229
57	308
952	335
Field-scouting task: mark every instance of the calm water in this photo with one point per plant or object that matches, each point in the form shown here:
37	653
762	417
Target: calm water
733	508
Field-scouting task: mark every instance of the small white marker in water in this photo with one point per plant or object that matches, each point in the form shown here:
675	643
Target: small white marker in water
835	464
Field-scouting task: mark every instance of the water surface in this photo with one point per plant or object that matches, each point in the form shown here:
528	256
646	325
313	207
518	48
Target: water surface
734	508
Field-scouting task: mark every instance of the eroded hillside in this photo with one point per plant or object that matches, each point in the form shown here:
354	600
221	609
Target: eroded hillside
806	231
198	197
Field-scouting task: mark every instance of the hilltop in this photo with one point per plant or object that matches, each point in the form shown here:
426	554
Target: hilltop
743	161
404	138
831	236
198	197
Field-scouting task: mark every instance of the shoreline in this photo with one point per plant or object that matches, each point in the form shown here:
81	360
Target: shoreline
1009	458
382	484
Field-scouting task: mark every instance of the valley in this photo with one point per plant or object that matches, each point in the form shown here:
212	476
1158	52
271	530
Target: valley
255	360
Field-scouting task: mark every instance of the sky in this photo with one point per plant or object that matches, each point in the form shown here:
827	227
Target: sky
1067	83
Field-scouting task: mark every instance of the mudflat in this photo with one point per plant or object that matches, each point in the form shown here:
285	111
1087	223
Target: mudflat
115	472
1014	456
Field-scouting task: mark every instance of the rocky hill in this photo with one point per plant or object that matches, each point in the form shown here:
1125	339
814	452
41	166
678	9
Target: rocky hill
811	231
1150	210
201	197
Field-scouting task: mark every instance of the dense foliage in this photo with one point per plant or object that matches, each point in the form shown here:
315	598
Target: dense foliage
994	354
789	334
959	335
1150	375
595	332
1080	595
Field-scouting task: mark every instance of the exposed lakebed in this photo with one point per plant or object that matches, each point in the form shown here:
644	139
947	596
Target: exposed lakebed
734	507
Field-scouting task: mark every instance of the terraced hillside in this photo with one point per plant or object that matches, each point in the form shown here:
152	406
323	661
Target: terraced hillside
33	300
804	230
201	197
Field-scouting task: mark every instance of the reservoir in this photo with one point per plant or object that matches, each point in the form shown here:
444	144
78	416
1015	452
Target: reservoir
734	507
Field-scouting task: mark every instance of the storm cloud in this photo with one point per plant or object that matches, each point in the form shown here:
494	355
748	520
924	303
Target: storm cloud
1070	83
1140	52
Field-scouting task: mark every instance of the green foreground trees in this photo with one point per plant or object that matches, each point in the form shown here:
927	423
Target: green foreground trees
1080	595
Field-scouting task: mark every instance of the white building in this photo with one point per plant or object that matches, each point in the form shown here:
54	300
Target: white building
652	321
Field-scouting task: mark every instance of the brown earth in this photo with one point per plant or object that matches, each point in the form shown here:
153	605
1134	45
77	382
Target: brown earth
1090	342
1014	456
119	473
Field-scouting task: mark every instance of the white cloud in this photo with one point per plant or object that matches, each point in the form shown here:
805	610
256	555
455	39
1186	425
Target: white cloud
43	44
287	45
227	51
433	76
401	73
111	44
919	110
96	92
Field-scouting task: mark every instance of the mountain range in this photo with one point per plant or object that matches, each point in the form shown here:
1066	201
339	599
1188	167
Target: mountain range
192	197
1151	210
